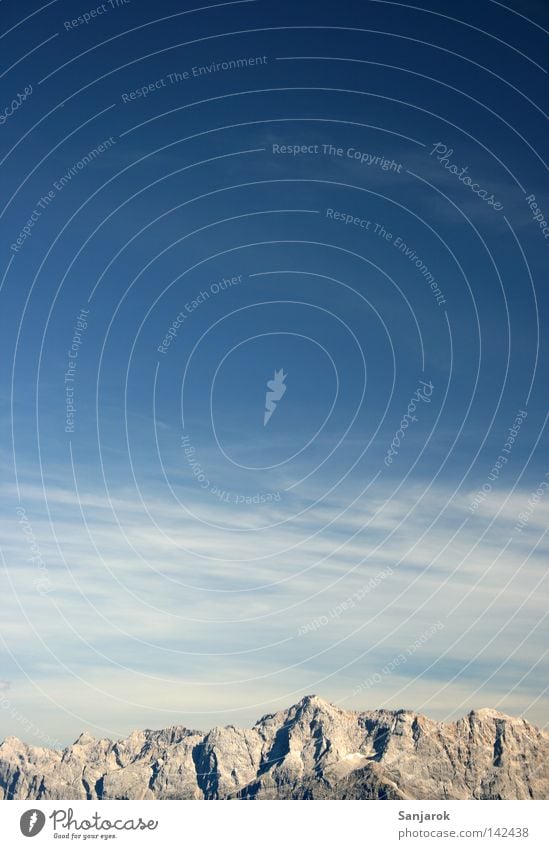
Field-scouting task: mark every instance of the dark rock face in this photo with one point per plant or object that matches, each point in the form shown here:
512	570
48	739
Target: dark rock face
313	750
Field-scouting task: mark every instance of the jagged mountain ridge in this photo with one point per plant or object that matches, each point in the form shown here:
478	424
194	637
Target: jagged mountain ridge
312	750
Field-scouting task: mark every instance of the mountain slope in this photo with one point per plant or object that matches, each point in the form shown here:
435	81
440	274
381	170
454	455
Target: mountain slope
312	750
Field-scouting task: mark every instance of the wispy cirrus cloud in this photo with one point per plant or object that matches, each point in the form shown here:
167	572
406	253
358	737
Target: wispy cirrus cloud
197	611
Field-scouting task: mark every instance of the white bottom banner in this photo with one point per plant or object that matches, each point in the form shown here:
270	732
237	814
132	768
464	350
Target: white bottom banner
276	824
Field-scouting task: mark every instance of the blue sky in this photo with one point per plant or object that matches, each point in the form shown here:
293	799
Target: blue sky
167	557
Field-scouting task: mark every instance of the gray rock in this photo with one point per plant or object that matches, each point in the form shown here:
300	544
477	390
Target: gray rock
312	750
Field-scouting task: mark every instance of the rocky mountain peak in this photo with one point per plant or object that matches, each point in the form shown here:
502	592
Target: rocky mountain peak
311	750
84	739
